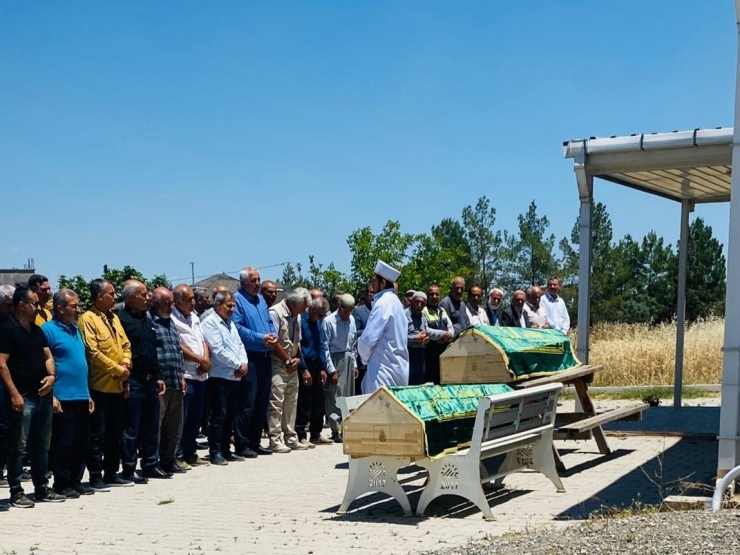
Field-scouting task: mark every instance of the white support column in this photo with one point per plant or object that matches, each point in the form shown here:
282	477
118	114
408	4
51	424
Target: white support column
683	249
729	419
586	195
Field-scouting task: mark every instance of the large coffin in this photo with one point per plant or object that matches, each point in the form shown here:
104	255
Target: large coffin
488	354
415	421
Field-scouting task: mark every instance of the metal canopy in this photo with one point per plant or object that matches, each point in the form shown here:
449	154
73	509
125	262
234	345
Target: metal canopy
683	165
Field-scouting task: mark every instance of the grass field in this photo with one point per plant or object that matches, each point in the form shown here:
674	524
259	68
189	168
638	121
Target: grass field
638	354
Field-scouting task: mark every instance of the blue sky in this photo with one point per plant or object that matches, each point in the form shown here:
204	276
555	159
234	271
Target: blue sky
157	133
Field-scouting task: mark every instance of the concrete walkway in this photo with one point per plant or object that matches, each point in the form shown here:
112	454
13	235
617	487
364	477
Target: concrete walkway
286	504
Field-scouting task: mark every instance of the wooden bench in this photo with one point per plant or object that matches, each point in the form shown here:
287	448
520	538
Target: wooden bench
517	426
586	424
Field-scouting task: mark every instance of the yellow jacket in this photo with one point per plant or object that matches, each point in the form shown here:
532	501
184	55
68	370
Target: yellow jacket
108	349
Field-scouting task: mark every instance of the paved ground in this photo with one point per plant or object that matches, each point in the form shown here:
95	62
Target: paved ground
287	503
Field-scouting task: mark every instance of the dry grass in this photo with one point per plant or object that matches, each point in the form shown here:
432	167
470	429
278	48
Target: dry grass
638	354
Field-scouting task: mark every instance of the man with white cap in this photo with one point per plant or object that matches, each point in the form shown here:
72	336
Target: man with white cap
383	344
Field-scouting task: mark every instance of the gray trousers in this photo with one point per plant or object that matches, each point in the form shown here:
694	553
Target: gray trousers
345	365
170	425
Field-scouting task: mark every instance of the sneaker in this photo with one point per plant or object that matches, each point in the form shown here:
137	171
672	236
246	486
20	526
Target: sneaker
48	495
67	492
219	460
21	501
336	438
82	489
98	484
279	448
195	460
179	463
307	443
298	446
173	469
321	440
118	481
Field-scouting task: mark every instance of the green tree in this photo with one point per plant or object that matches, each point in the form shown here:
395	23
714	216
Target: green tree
117	277
391	245
706	273
449	237
485	243
530	254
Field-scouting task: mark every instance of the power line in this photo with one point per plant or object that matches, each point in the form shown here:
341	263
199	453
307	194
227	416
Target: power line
172	280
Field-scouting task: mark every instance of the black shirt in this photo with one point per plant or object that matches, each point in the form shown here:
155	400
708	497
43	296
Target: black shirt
26	360
140	331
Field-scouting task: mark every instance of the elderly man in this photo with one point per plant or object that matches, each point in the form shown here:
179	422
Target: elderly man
474	311
287	363
557	312
515	316
269	292
197	365
40	285
382	346
493	307
316	293
418	337
442	331
258	334
340	330
109	365
335	300
202	300
171	366
314	376
454	306
536	313
141	409
27	369
209	310
73	406
6	302
408	298
229	364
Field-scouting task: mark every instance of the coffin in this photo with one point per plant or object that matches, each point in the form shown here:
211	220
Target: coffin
487	354
415	421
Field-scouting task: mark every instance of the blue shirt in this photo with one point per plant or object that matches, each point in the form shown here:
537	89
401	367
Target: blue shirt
252	321
313	341
68	350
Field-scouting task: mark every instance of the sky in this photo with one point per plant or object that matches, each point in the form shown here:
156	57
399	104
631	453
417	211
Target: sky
156	134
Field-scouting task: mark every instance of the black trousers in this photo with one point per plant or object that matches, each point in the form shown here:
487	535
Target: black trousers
70	443
431	362
261	367
106	425
222	395
310	409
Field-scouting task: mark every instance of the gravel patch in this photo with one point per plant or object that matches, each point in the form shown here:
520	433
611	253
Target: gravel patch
669	533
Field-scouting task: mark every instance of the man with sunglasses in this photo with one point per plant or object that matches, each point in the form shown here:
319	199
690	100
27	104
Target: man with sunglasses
28	372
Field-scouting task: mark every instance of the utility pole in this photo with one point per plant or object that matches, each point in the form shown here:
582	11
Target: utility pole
192	273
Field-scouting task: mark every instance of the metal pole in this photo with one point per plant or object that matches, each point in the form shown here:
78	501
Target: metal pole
192	273
683	250
729	416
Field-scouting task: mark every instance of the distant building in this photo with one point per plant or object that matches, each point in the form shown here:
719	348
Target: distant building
16	276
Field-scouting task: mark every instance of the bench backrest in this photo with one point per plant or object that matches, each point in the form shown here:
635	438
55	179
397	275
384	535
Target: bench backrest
348	404
516	412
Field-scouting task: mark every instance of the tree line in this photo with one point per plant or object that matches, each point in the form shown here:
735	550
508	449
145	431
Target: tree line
633	281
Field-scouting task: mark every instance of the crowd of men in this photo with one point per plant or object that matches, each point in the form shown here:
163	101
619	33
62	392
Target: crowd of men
125	390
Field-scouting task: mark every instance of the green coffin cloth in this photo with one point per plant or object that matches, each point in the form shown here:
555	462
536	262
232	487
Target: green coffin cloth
530	353
447	411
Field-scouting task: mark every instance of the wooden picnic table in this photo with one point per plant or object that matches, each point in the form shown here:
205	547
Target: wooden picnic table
586	424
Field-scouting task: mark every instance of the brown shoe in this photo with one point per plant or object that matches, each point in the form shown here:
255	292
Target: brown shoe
321	440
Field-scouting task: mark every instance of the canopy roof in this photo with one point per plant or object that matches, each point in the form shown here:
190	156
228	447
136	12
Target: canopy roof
683	165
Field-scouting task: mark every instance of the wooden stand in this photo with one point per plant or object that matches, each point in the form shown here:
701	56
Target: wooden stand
586	424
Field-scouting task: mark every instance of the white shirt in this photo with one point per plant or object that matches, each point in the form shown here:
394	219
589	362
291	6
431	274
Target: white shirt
227	349
480	317
557	312
383	344
341	337
191	336
537	318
